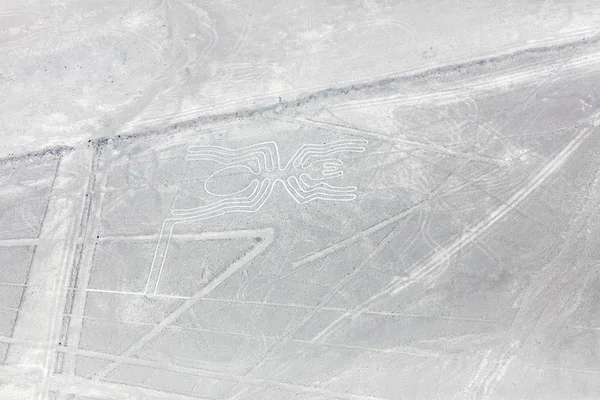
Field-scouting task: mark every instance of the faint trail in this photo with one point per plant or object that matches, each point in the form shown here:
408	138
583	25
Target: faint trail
24	342
212	33
504	80
535	312
153	45
308	25
37	37
267	239
224	376
263	337
376	12
76	386
424	226
183	115
392	139
259	303
540	107
498	363
22	378
44	295
475	86
480	244
584	371
383	20
287	336
582	64
20	242
213	38
434	267
237	234
15	13
90	226
243	34
374	228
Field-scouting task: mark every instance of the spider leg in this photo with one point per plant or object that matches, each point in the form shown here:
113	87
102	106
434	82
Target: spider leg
217	204
266	154
305	149
316	156
228	205
307	183
257	157
332	163
302	196
330	168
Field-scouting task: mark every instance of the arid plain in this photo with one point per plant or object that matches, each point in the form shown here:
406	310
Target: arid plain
299	200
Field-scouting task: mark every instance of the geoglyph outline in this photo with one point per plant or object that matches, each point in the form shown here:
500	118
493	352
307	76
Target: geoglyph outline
294	177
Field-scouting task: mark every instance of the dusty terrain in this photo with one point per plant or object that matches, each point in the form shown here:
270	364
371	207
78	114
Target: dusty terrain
299	200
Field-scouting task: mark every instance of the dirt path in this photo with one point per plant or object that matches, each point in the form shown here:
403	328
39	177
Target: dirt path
43	302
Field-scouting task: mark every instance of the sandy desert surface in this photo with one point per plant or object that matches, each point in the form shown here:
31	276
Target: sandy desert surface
336	199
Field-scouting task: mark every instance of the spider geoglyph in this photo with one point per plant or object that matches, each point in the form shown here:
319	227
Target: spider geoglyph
304	178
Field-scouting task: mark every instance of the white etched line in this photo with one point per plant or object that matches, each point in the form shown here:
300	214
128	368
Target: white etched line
267	236
434	265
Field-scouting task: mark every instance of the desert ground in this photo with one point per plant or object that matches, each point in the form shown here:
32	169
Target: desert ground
337	199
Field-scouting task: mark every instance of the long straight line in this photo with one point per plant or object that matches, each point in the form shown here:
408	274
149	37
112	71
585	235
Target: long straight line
267	236
224	376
